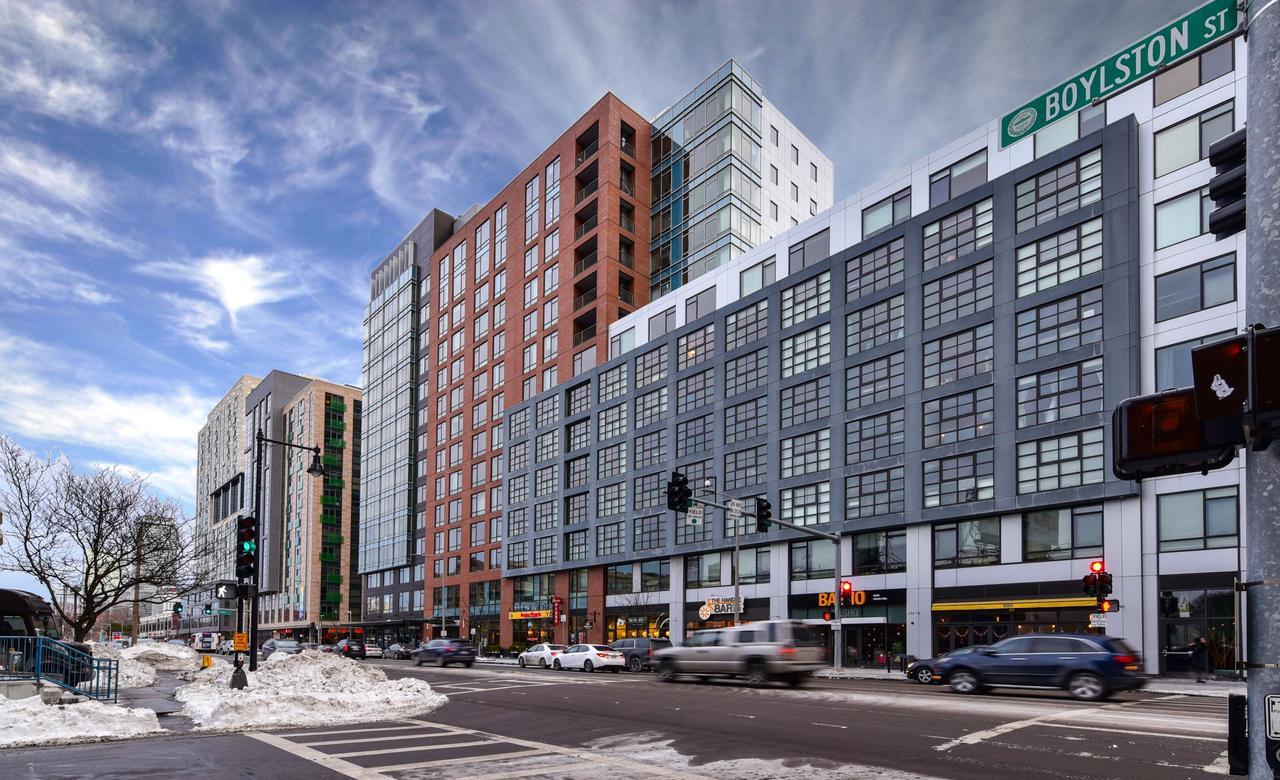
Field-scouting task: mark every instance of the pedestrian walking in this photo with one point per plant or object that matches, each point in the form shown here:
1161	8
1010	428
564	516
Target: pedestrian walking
1200	658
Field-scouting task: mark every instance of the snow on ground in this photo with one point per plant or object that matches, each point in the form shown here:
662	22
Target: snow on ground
133	673
30	722
308	689
164	657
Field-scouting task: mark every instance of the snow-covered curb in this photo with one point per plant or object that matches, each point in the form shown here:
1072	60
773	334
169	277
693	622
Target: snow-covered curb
26	722
498	661
133	673
1154	685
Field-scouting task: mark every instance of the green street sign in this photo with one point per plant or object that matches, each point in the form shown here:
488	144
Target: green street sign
1201	27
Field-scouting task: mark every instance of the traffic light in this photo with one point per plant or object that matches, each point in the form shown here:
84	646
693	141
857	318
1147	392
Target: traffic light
1158	435
1104	584
208	609
177	607
1227	187
246	547
1109	605
827	616
764	514
846	593
1237	383
679	495
1090	583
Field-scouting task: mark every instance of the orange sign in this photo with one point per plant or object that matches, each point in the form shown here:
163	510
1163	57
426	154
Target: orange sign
240	642
829	599
530	614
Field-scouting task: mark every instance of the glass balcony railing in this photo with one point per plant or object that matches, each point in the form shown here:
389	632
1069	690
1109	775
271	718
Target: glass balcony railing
584	335
628	148
583	263
587	151
584	299
586	190
586	227
628	297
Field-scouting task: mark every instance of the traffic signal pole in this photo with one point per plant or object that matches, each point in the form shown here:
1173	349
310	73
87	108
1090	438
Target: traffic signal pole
1262	305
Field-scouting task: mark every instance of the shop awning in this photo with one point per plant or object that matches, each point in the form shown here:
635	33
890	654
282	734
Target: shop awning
1038	603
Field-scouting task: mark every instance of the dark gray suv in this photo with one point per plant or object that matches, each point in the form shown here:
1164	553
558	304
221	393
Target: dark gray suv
639	651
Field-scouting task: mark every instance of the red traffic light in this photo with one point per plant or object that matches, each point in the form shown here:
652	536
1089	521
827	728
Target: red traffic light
846	587
826	616
1109	605
1097	566
1157	435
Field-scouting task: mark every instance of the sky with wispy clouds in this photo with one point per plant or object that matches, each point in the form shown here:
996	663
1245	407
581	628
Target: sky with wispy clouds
194	191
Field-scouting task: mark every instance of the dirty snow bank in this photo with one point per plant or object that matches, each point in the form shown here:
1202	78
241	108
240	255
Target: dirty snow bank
30	722
164	657
133	673
308	689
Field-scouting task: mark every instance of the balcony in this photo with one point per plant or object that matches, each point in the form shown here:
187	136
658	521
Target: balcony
586	190
627	221
583	336
329	500
584	299
627	186
586	227
583	263
628	148
587	152
328	557
332	579
337	425
335	482
331	460
627	296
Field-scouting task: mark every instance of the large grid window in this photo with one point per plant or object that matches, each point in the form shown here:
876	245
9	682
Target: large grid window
1061	325
651	367
876	270
612	461
519	422
1062	257
744	420
875	381
959	417
544	551
651	449
1060	190
519	488
746	372
875	325
648	491
579	436
575	545
812	559
1188	142
696	347
517	522
807	505
960	294
957	234
967	543
878	436
806	351
806	453
694	435
613	421
880	552
807	299
959	479
1199	519
548	411
651	407
874	493
519	455
577	472
695	391
1062	534
576	508
806	402
649	533
548	445
963	354
746	467
613	383
611	500
518	555
1196	287
611	539
747	325
546	481
1060	393
1060	462
579	398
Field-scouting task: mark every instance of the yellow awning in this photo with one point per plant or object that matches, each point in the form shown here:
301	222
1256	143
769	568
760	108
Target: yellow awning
1049	603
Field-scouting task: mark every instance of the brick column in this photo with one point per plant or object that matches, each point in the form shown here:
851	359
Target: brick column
595	604
506	598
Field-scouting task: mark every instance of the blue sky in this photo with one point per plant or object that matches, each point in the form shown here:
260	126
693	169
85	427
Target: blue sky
189	192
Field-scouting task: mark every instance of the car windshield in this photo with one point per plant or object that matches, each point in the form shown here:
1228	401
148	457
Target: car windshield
557	647
602	647
285	644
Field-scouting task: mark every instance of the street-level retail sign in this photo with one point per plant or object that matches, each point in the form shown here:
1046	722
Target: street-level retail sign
1201	27
529	614
720	606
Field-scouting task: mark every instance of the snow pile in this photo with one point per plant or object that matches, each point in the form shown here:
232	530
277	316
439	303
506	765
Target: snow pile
308	689
133	673
164	657
30	722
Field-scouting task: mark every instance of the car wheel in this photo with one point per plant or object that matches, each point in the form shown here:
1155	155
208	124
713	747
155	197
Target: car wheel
797	680
587	666
557	665
965	681
667	671
634	664
440	661
468	664
757	675
924	675
417	662
542	663
1087	687
520	662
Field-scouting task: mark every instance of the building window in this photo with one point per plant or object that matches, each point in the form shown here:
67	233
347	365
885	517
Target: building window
651	449
747	325
613	421
795	193
1062	257
579	398
553	192
651	407
967	543
575	509
746	468
700	305
579	436
519	489
1061	325
1062	534
1069	129
548	445
1201	69
649	533
871	438
648	491
753	566
773	135
518	555
662	323
875	381
875	325
622	343
1059	190
1196	287
960	294
519	455
874	493
960	479
695	347
548	411
577	472
806	351
876	270
746	372
1173	363
519	422
1060	462
813	172
517	523
959	417
612	461
611	500
958	234
617	579
1182	218
805	402
575	545
544	551
651	367
812	559
694	435
891	211
1060	393
795	155
958	179
880	552
745	420
807	504
546	482
695	391
1198	519
613	383
702	571
962	354
611	539
807	299
761	274
1187	142
806	454
773	174
810	251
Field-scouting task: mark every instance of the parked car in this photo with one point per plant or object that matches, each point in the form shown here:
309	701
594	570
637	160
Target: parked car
639	651
588	658
373	650
272	646
179	642
146	640
310	645
443	652
1088	666
350	648
922	671
327	648
398	652
226	647
541	655
759	652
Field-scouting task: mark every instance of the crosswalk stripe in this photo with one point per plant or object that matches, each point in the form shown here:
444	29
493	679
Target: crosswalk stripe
416	748
464	760
353	730
415	735
535	771
328	762
1060	725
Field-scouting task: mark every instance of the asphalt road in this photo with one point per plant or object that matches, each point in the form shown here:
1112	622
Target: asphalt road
503	722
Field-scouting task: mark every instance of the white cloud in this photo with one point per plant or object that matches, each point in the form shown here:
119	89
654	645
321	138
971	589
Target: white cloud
238	282
53	177
32	276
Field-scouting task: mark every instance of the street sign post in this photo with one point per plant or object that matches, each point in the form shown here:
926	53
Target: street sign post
240	642
734	508
694	515
1097	620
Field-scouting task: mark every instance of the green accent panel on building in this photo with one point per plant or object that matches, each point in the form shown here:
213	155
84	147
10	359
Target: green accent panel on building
329	500
337	406
337	425
331	460
328	557
335	482
332	579
333	539
335	444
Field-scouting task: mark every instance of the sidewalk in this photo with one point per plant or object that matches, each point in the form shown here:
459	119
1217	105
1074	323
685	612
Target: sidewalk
158	698
1166	686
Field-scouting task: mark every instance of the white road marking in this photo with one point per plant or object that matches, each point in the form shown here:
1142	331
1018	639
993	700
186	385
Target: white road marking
352	730
535	771
1220	765
315	756
978	737
415	748
739	715
415	735
385	770
831	725
1130	731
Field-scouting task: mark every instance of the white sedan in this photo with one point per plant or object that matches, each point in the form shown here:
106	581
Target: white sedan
588	658
373	651
540	655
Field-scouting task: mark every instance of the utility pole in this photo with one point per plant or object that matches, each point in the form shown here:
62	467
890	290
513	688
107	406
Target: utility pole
1262	305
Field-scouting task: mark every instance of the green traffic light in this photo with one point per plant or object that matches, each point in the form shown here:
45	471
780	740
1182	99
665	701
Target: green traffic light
249	546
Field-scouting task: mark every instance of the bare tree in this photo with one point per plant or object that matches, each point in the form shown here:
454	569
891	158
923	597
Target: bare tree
94	536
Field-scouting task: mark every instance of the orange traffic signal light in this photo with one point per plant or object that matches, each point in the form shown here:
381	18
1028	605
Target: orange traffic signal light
1157	435
1097	566
1109	605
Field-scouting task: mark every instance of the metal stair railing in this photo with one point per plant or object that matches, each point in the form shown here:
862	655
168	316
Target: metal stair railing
42	659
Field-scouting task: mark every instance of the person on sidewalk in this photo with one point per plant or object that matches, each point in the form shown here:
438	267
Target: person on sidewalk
1200	658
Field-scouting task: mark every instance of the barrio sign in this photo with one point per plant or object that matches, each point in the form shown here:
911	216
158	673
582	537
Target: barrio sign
1210	22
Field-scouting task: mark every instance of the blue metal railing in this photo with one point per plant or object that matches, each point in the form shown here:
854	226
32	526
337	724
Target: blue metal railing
40	658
